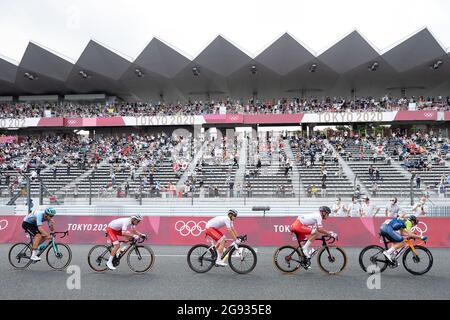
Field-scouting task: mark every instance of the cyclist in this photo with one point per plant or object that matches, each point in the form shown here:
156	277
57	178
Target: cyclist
311	225
32	224
212	231
395	230
118	227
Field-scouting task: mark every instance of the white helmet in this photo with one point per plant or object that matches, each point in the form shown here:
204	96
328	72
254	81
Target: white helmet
137	217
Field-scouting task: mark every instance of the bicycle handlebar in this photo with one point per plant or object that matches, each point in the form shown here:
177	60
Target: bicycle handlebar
243	238
329	239
65	233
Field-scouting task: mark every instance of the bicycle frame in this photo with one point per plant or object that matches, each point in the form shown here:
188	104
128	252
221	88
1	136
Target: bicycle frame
50	242
324	244
226	251
133	245
407	243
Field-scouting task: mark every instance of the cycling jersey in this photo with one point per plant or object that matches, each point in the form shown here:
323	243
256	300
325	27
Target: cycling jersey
397	224
306	224
219	222
121	224
390	229
313	219
36	219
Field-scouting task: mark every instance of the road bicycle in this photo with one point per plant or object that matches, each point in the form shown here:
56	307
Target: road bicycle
416	259
58	255
140	258
241	258
331	259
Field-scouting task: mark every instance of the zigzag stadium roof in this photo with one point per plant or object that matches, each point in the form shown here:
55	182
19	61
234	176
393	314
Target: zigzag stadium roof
285	68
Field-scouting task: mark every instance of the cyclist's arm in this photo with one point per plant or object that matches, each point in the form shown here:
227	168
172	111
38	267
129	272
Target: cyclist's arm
43	231
233	232
402	214
39	224
409	234
323	231
51	224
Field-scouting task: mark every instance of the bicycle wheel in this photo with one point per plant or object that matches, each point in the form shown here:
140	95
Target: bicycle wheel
200	258
332	260
242	260
97	257
140	259
420	263
372	257
287	259
60	257
19	255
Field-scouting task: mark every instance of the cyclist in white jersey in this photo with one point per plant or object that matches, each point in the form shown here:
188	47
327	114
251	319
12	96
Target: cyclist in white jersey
118	227
212	231
311	225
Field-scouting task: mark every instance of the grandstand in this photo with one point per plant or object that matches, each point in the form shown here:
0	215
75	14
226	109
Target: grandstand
285	125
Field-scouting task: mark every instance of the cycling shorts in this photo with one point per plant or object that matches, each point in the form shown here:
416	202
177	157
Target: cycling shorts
113	234
390	234
215	234
300	230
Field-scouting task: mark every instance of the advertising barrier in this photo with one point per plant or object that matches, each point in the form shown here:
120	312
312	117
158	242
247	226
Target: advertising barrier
249	119
261	231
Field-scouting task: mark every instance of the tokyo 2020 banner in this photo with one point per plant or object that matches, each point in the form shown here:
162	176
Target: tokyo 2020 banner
261	231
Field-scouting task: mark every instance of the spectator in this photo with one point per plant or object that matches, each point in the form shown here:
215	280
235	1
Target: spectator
323	191
338	208
314	190
418	181
371	172
374	189
368	209
127	189
248	188
354	208
377	174
419	208
392	209
442	190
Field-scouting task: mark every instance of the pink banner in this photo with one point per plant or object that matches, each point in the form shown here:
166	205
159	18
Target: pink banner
51	122
94	122
416	115
261	231
273	118
447	115
224	118
8	139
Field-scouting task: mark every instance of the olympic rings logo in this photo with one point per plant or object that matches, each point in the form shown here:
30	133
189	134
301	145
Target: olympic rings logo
3	224
421	228
428	114
190	228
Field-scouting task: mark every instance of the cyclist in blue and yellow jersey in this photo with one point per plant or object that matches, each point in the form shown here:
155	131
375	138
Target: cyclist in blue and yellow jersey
396	230
32	223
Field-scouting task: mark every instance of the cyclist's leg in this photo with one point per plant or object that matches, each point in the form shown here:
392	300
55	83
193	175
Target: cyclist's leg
395	237
303	232
217	236
37	237
113	237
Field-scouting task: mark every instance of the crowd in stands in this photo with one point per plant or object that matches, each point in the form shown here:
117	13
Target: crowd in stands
127	153
275	106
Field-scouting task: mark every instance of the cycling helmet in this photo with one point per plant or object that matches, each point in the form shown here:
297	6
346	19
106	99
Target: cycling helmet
325	209
50	211
137	217
413	219
233	212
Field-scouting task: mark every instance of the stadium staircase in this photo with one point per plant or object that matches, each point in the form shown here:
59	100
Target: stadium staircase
297	184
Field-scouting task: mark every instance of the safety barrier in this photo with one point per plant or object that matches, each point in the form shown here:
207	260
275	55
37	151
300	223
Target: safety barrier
261	231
